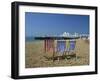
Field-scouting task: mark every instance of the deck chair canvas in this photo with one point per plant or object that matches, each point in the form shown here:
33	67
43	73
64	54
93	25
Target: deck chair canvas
61	46
67	47
72	48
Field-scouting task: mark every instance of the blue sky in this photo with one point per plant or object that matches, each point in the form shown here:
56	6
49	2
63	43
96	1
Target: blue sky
40	24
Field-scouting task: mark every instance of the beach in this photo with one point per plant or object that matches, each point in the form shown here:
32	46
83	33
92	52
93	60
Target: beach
36	57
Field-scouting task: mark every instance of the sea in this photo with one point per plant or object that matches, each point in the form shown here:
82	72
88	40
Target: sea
30	39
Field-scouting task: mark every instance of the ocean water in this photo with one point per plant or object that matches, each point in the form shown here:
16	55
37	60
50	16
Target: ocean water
29	39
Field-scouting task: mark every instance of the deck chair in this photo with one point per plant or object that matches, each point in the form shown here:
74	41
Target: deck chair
49	48
61	46
72	48
67	46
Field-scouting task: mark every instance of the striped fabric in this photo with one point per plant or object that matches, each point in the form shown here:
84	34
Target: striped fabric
61	46
67	45
55	45
72	45
48	45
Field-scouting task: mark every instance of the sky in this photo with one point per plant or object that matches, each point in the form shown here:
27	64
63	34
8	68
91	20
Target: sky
42	24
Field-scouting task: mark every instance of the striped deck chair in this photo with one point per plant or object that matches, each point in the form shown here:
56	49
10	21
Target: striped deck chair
49	48
67	46
72	48
48	45
61	46
72	45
